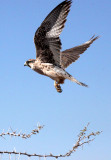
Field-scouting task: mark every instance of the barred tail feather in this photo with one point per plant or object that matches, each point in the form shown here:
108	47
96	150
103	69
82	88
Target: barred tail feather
80	83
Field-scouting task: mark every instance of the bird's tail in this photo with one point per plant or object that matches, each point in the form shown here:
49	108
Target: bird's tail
75	80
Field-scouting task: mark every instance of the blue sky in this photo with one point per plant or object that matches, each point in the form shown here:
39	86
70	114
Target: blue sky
27	97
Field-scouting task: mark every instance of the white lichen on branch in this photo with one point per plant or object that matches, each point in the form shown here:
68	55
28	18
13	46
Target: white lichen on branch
82	139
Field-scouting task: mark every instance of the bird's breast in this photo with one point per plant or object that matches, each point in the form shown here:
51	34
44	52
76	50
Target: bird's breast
37	68
38	71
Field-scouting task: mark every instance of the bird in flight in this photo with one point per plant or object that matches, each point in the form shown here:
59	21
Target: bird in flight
50	60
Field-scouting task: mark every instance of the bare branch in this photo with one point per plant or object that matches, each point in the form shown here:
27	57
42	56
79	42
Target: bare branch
82	140
22	135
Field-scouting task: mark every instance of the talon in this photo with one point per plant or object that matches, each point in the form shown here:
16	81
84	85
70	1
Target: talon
58	87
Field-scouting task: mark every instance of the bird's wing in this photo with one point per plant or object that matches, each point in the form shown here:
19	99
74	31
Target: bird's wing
46	38
71	55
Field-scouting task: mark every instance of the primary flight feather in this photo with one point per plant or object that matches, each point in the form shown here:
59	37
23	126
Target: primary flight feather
50	61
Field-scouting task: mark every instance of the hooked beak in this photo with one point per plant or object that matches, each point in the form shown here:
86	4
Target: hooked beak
25	64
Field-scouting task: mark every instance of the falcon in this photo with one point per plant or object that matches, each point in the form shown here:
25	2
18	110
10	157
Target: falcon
50	60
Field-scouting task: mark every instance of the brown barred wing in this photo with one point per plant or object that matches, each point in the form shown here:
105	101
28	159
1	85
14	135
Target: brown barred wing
71	55
46	39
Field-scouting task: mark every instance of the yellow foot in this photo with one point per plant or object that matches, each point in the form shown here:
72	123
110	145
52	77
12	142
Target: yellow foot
58	87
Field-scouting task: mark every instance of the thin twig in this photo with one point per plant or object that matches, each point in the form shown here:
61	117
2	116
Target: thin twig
82	139
22	135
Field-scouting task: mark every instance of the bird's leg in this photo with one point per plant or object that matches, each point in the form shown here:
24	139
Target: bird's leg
57	86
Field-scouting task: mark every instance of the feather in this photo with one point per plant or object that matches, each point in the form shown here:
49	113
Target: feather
71	55
46	39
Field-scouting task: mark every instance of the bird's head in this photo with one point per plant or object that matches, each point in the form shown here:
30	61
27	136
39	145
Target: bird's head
29	63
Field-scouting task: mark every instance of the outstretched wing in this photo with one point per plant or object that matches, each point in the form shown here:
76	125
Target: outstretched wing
71	55
46	38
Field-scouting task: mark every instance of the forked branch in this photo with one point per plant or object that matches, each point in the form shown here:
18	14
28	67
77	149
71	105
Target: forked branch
82	139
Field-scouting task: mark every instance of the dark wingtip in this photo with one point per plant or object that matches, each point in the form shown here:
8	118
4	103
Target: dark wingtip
93	38
83	84
69	2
